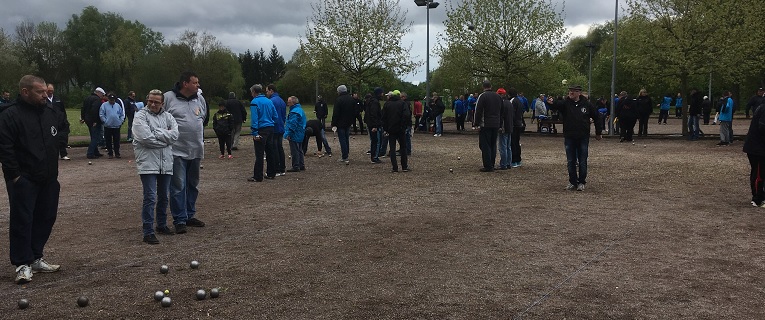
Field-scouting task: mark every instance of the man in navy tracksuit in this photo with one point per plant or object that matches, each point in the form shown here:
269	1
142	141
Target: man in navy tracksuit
30	139
577	113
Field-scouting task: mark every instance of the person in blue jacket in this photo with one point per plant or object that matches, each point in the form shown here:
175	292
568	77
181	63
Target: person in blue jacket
726	120
460	111
664	108
679	105
112	115
294	132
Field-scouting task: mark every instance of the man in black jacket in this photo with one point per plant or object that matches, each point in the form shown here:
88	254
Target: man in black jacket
627	113
577	113
518	127
89	116
395	119
694	113
755	101
238	116
438	109
29	148
343	116
58	104
373	119
321	110
487	120
130	110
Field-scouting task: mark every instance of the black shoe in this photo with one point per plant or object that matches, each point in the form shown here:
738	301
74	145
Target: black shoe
302	168
165	230
252	179
294	170
270	177
151	239
394	171
487	170
234	148
111	156
194	222
180	228
405	170
117	156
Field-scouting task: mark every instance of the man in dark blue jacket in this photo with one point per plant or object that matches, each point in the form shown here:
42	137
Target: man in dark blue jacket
487	120
577	113
29	149
281	112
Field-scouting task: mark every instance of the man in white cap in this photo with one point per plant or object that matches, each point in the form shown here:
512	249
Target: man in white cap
89	116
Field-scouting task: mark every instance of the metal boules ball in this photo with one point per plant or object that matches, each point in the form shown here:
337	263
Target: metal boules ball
164	269
23	304
83	301
194	264
159	295
214	293
166	302
201	294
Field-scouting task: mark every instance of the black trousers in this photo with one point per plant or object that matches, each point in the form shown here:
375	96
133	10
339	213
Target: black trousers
401	139
308	134
265	145
224	142
461	122
643	125
360	120
756	176
112	137
515	144
487	142
33	212
627	128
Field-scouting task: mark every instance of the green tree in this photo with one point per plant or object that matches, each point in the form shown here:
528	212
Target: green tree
689	39
508	46
358	44
12	65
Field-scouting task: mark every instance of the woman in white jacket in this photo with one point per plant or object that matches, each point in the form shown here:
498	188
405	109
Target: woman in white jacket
154	132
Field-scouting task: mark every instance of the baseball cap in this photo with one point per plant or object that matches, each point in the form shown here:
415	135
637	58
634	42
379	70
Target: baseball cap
501	91
101	91
576	88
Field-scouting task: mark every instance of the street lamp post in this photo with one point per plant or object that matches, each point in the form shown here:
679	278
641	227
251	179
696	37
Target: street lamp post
589	70
613	68
428	4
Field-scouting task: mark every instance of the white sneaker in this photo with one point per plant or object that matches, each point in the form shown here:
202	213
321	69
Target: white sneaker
435	135
580	187
23	274
66	158
754	204
40	265
570	187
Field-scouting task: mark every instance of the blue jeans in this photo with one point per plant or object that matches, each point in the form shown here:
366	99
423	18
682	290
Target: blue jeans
155	194
408	140
374	143
505	150
296	150
343	137
183	189
576	153
94	138
693	126
439	124
327	149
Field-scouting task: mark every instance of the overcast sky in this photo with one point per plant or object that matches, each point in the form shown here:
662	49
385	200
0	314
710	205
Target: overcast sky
248	24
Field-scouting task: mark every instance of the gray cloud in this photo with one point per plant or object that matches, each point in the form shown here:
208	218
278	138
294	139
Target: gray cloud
242	24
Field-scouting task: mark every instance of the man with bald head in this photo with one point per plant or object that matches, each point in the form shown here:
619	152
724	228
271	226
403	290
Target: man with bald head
29	148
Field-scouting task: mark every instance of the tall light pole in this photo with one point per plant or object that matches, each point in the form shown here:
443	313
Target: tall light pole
589	71
428	4
613	68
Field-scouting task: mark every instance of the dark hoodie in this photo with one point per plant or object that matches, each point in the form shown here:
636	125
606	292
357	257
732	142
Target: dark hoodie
372	112
395	116
576	117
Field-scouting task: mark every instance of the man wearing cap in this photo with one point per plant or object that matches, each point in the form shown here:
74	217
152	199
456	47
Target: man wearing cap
343	115
756	100
395	119
189	109
89	115
112	116
487	120
577	113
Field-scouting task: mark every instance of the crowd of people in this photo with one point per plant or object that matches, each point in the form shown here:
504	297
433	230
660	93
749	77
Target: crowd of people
167	135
